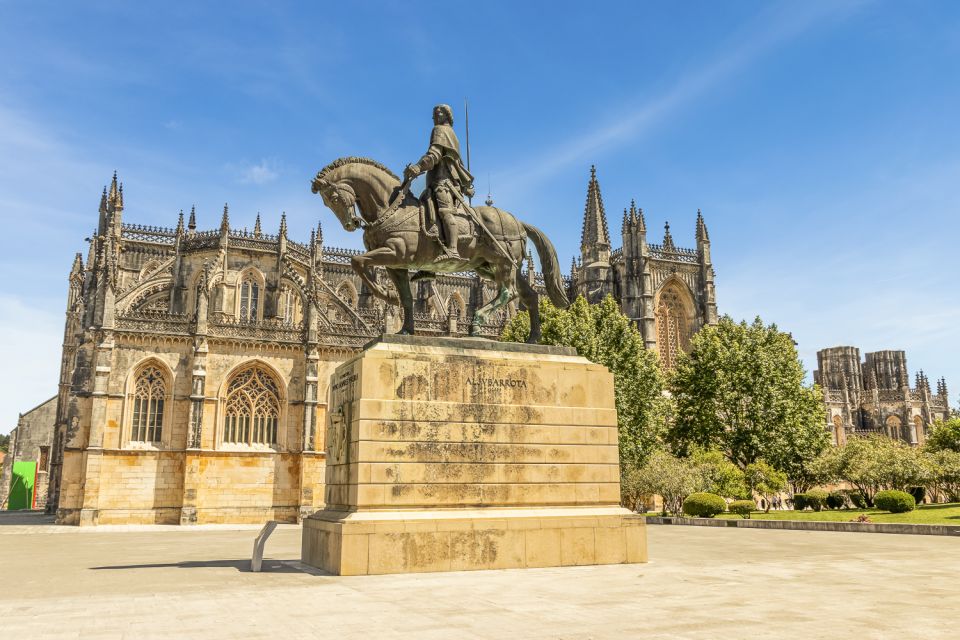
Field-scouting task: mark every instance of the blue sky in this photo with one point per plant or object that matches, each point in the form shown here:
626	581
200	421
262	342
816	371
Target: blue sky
820	139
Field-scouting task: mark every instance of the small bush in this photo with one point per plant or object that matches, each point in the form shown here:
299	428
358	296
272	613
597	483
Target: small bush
704	505
742	508
799	501
837	500
857	499
918	493
817	499
894	501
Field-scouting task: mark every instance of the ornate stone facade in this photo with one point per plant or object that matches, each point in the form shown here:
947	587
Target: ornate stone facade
667	290
195	368
193	385
874	395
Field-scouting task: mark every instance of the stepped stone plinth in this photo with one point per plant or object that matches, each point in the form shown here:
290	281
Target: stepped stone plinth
453	454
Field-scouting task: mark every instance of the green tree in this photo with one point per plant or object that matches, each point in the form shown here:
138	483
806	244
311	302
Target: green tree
741	390
5	443
602	334
764	480
664	475
873	463
718	475
945	436
944	478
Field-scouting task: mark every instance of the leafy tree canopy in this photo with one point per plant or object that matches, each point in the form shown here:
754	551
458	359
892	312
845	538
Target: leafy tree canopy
741	390
602	334
945	436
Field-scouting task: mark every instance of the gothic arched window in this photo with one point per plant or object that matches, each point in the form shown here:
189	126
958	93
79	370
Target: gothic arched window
673	325
252	408
149	392
249	297
290	306
916	429
894	426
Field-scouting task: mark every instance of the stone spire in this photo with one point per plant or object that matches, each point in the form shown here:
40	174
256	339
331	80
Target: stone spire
283	224
225	221
180	223
257	231
942	387
594	231
625	225
77	267
702	234
668	239
192	224
115	196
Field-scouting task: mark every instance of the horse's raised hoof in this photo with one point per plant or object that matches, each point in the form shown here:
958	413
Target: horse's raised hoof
405	332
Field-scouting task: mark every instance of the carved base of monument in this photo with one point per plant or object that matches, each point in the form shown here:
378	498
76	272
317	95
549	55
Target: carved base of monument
448	455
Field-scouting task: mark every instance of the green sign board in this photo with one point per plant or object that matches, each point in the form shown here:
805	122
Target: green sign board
21	485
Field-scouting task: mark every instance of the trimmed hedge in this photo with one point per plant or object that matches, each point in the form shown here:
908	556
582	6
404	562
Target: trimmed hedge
742	508
894	501
857	499
836	500
918	493
704	505
815	499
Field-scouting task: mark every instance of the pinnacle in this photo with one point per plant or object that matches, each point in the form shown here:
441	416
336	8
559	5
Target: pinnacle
192	224
702	234
667	238
283	223
256	226
595	230
180	222
225	220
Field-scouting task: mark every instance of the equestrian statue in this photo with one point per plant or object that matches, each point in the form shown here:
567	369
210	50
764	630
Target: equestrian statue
437	232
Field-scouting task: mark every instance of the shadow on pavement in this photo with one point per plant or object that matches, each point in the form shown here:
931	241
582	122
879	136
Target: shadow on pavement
272	566
25	517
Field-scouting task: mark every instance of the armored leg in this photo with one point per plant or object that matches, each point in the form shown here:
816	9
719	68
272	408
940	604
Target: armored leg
446	208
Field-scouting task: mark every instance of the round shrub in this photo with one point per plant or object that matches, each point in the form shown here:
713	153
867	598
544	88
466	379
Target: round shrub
704	505
836	500
817	499
894	501
742	508
799	501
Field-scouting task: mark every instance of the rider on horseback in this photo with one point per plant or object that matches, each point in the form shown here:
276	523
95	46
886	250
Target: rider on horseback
448	181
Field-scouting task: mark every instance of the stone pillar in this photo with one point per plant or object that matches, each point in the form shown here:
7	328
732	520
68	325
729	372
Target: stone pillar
191	462
103	360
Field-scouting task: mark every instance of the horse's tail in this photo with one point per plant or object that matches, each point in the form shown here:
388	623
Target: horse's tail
551	267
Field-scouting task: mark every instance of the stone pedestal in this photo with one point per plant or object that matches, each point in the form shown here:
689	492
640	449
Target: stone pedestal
452	454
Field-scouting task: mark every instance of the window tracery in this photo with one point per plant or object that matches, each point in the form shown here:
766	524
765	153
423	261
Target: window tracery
673	326
252	408
291	308
249	297
148	404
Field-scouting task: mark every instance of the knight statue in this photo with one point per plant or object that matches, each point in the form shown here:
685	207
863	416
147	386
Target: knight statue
448	181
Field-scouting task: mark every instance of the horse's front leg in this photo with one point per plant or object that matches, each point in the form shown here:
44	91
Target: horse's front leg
364	264
401	281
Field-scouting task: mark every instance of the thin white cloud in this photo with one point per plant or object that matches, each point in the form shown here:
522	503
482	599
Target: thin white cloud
775	28
261	173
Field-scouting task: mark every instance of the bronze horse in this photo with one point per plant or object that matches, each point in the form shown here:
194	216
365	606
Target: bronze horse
395	239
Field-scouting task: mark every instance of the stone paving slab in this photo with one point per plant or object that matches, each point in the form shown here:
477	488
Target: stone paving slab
700	583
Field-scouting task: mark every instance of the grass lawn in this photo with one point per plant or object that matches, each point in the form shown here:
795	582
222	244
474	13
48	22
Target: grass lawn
923	514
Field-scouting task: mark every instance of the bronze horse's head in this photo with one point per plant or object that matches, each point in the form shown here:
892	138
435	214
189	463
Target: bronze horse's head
339	198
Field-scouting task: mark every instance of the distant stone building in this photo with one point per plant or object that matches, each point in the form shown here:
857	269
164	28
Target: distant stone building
874	395
667	290
31	441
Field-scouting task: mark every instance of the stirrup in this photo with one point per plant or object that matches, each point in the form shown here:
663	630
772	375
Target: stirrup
448	255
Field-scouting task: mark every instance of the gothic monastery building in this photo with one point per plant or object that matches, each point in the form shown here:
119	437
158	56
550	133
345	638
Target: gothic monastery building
193	385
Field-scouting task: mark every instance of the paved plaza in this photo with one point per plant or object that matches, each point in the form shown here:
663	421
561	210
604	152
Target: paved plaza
151	581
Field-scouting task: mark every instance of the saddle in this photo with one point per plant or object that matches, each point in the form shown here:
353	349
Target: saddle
428	216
